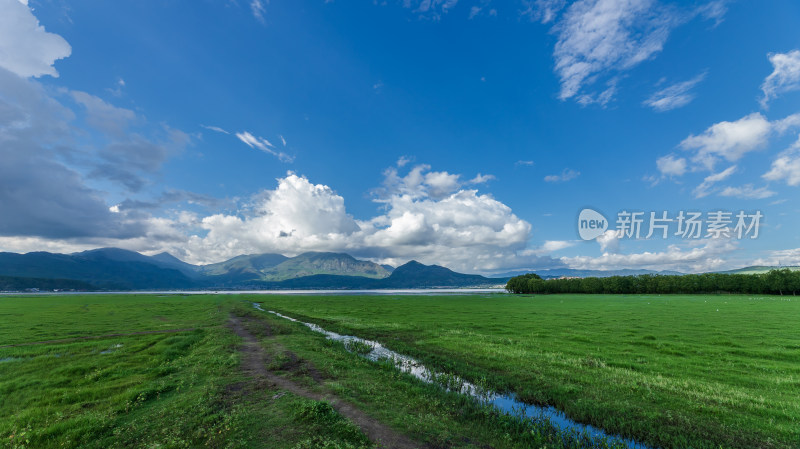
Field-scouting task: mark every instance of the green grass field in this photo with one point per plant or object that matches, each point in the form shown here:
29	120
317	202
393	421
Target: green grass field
103	371
670	371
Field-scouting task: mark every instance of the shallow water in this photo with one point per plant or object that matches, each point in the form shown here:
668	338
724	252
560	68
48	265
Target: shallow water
506	403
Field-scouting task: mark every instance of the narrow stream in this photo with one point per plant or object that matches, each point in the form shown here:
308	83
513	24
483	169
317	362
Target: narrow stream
506	403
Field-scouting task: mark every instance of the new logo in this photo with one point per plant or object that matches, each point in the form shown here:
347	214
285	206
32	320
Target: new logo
591	224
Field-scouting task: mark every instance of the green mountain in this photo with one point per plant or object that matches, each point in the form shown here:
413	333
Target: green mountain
411	275
313	263
417	275
107	269
241	268
15	284
118	269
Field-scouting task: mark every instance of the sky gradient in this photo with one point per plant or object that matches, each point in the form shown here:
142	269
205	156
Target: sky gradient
466	133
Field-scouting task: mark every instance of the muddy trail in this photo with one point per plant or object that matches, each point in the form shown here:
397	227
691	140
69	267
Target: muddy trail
254	364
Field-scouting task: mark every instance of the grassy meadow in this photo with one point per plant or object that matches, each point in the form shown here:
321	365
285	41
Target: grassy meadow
101	371
671	371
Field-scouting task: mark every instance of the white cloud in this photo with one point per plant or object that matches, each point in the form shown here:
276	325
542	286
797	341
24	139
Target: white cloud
566	175
544	11
525	163
26	49
421	182
441	184
258	9
215	129
674	96
260	143
549	246
599	40
474	11
786	166
597	36
785	76
463	230
714	10
705	188
729	140
670	165
481	179
609	241
430	8
747	191
784	257
705	256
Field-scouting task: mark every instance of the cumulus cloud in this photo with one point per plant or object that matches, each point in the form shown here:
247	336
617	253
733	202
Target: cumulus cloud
420	181
732	140
705	255
26	49
670	165
566	175
674	96
463	230
785	76
609	241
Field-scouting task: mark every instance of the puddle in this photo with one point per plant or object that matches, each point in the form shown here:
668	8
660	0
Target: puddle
506	403
112	349
10	359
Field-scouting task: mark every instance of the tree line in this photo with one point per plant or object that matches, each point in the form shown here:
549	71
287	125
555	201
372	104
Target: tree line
774	282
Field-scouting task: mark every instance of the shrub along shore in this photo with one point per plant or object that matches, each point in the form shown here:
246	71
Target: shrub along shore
774	282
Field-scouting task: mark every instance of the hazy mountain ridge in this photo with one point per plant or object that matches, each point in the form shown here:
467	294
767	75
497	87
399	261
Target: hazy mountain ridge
758	269
101	269
118	269
571	272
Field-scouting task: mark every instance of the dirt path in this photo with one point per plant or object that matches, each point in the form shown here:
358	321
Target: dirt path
254	363
91	337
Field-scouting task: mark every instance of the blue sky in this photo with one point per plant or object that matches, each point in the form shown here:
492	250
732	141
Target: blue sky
468	133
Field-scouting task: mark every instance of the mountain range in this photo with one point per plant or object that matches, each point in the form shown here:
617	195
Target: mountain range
118	269
555	273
